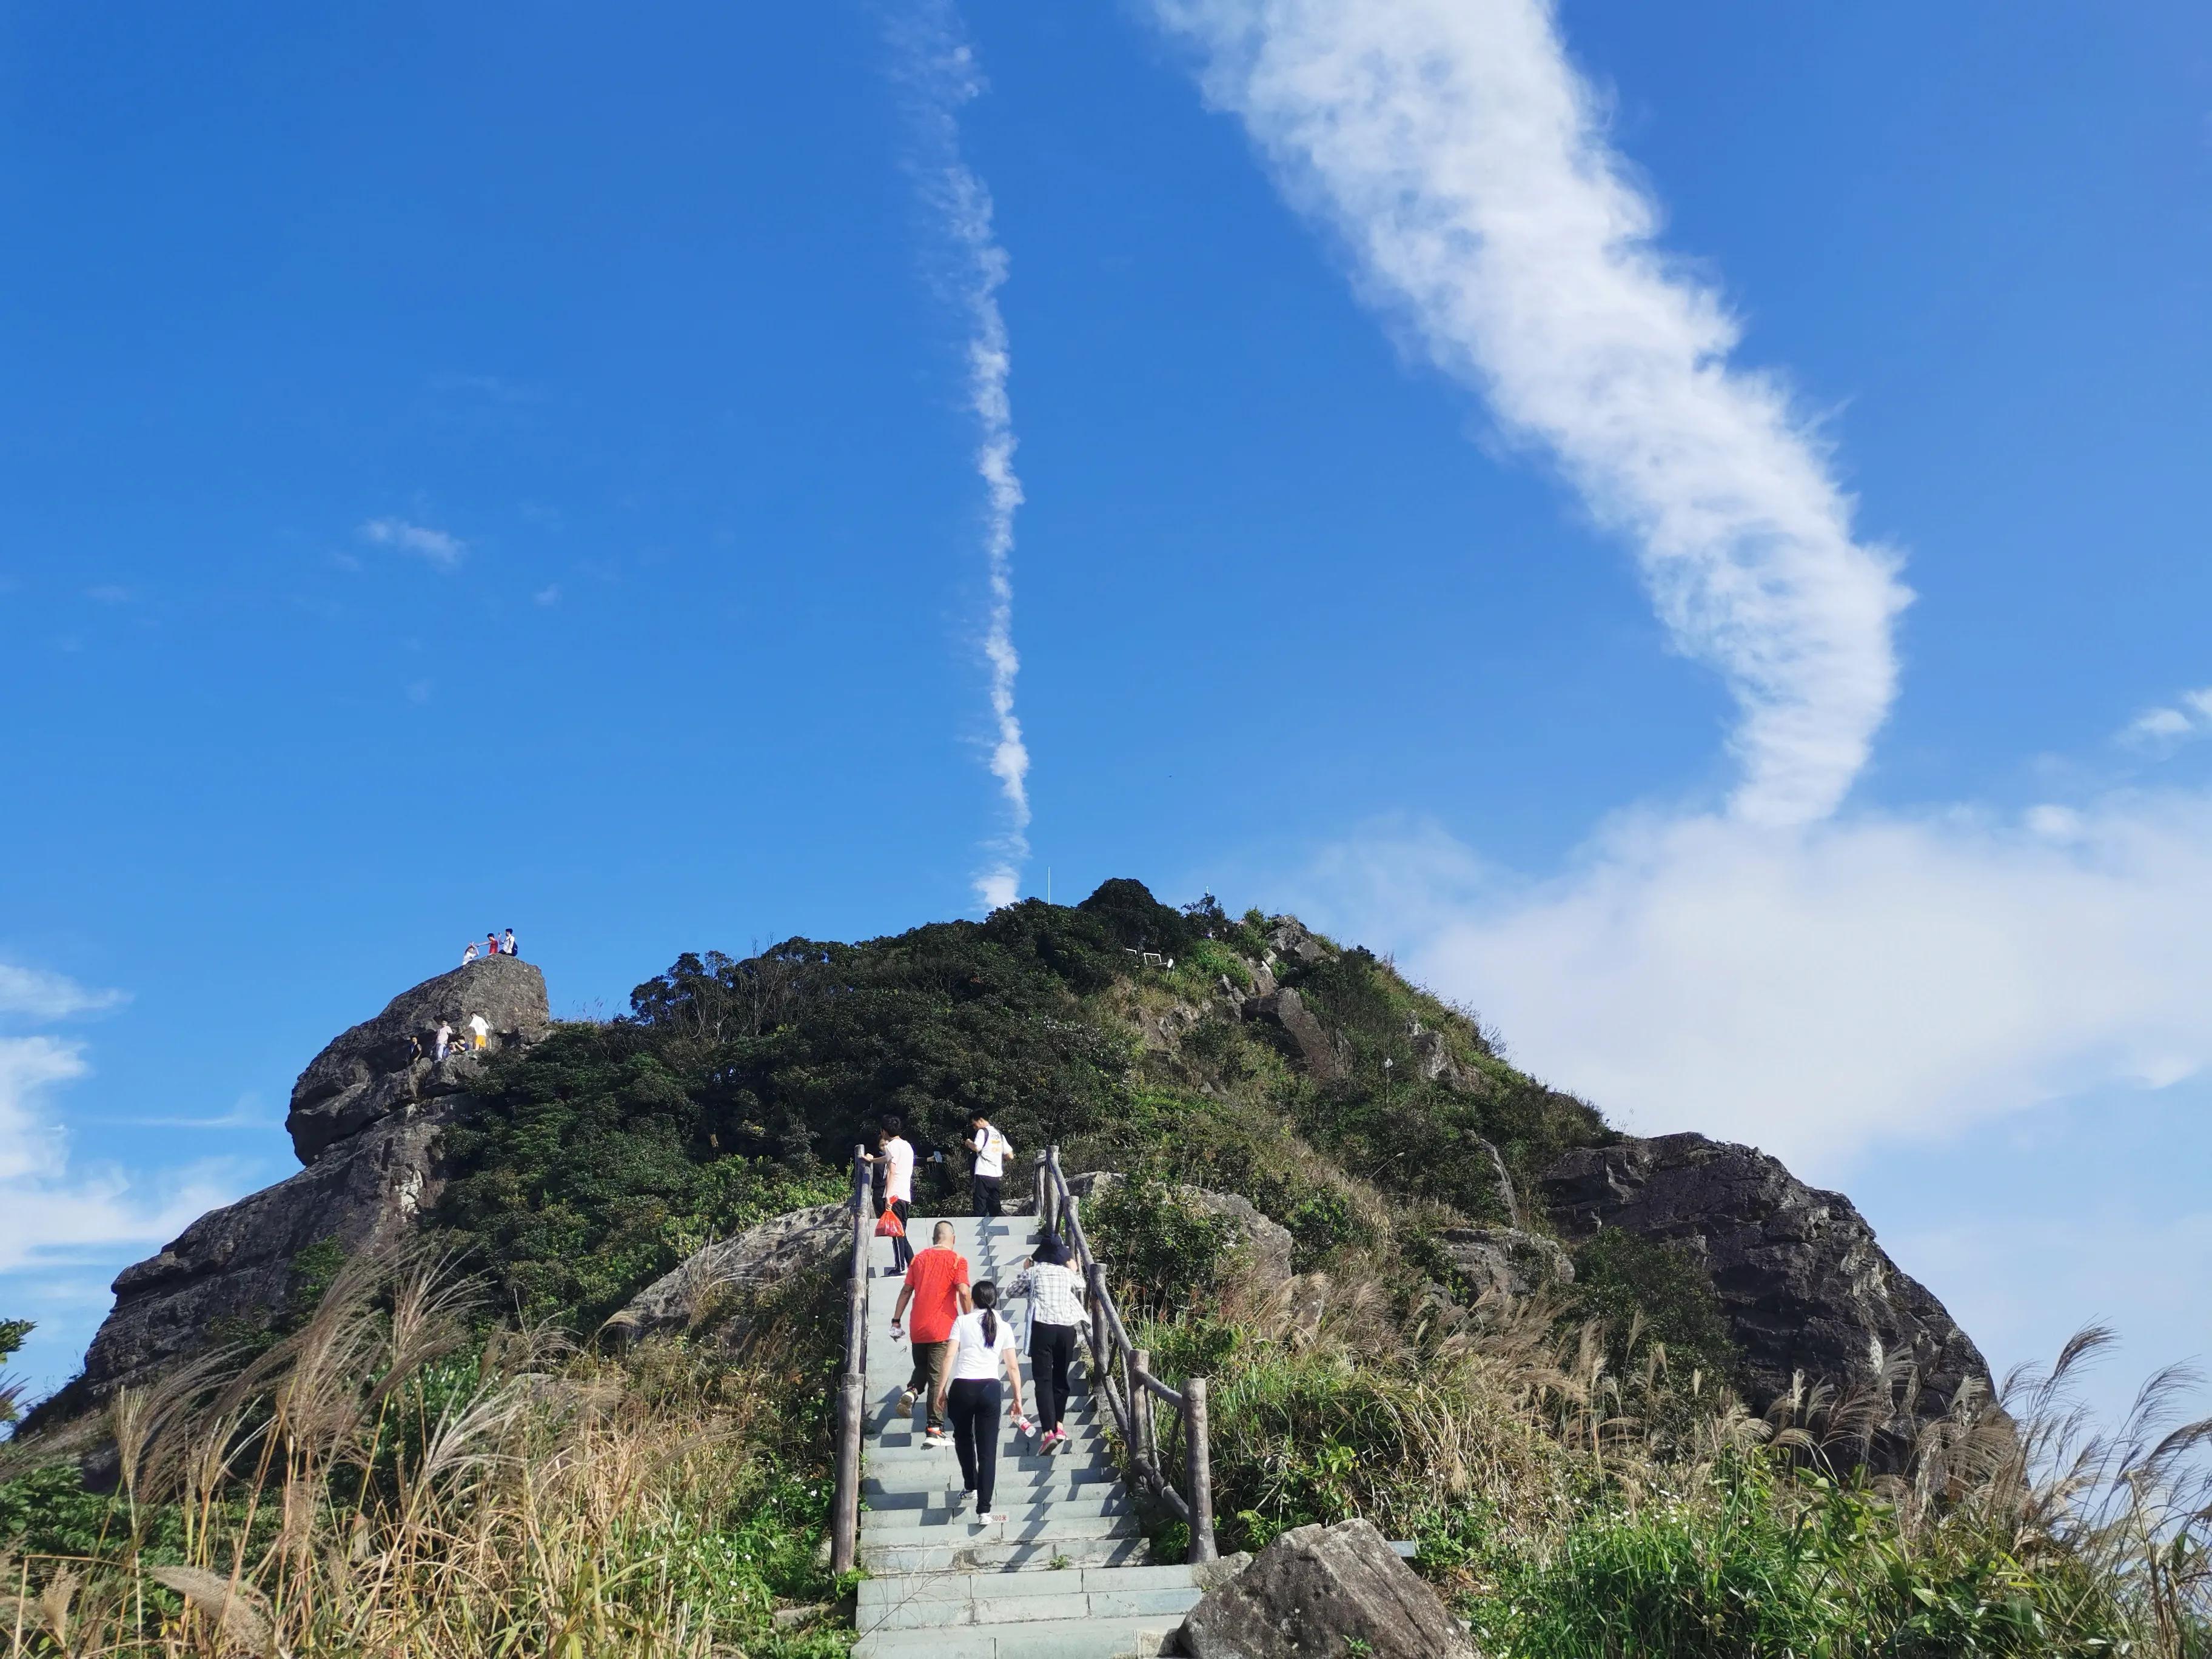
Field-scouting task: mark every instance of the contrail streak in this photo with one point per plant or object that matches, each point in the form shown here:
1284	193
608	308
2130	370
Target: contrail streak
937	68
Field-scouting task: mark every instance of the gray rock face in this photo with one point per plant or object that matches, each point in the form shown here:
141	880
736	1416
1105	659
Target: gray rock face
1319	1593
235	1265
1805	1286
367	1072
1508	1260
727	1271
1289	937
1288	1010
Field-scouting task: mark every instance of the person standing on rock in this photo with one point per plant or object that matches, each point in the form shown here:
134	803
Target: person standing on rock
1056	1311
445	1037
507	945
992	1151
937	1288
480	1030
895	1153
982	1348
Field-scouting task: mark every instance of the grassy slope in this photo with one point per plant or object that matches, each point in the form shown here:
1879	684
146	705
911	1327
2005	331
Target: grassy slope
1589	1489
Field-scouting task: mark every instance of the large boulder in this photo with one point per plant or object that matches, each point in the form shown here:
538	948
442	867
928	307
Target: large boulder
1308	1036
230	1271
1506	1261
1805	1288
370	1072
727	1274
1320	1593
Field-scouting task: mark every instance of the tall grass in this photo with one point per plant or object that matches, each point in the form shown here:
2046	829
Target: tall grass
390	1482
1581	1512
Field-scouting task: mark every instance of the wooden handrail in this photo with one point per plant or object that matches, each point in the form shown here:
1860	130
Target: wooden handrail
852	1386
1123	1373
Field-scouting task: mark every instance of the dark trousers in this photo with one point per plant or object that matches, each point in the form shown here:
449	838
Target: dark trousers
984	1189
1051	1347
929	1360
902	1247
973	1408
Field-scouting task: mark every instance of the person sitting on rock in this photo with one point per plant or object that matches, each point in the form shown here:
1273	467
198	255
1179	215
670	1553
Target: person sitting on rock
491	943
469	955
506	946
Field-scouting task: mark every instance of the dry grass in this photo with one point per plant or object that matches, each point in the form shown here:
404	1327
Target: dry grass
382	1484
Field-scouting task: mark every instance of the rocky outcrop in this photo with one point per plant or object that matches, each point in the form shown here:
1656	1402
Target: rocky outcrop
1319	1593
1506	1261
1308	1036
229	1271
365	1119
371	1071
1805	1286
725	1277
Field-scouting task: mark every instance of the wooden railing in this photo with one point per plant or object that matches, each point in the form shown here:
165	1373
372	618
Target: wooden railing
1121	1373
852	1386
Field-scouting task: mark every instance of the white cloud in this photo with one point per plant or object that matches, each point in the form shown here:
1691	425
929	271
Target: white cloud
936	68
1826	990
2163	728
51	1213
44	995
1464	163
440	547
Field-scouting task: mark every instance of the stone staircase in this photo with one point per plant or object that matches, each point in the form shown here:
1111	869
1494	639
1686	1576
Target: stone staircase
1063	1577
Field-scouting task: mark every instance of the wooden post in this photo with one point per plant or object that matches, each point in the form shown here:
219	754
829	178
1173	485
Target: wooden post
1148	1446
1200	1470
852	1385
1044	1199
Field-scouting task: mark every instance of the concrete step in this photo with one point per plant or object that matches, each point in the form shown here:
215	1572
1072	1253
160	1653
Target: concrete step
942	1508
1020	1526
990	1609
895	1488
1036	1581
983	1554
1066	1638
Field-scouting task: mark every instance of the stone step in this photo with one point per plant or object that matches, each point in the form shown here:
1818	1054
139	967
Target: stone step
942	1512
989	1610
1036	1581
893	1527
940	1494
1066	1638
982	1554
895	1488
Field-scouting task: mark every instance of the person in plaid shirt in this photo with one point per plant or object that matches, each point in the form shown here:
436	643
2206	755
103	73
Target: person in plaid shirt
1055	1293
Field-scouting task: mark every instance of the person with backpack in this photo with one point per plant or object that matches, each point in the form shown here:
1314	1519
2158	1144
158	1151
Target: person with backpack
507	945
992	1151
1056	1313
937	1287
983	1350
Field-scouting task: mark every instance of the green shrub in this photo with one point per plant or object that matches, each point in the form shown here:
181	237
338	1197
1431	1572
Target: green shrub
1627	1280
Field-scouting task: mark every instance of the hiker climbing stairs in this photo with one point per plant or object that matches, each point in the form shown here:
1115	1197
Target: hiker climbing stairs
1063	1576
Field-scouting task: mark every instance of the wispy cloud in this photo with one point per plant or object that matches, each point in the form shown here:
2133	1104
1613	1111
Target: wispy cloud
111	593
1824	991
39	994
441	548
549	595
1464	163
2166	726
938	70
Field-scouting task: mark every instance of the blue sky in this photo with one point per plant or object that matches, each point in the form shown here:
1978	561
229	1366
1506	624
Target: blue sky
461	470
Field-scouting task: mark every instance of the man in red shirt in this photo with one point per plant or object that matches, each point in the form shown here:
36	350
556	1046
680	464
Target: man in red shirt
936	1285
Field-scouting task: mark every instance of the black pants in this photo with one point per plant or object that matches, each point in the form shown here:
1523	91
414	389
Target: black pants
973	1406
1051	1346
902	1247
984	1189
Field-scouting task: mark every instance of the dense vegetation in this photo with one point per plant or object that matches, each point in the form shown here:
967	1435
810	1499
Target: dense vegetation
434	1456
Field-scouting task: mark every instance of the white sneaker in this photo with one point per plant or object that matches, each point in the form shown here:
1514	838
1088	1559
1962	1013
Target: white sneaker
988	1520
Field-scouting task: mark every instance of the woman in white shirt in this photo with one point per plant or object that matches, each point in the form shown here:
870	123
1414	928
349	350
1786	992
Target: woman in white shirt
1055	1294
968	1391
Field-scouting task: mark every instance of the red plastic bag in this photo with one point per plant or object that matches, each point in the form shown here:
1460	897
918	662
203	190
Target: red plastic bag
887	1226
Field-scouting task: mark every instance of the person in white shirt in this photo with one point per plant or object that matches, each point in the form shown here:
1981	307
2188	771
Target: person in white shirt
469	955
1056	1314
992	1151
895	1153
480	1030
445	1037
507	945
968	1392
